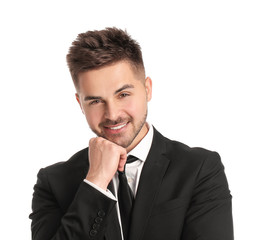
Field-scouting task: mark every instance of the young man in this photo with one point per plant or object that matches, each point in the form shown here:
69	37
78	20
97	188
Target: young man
179	193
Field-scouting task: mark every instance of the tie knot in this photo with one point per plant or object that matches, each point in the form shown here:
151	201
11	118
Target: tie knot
131	159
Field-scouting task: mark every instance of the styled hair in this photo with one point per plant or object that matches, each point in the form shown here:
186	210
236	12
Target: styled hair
96	49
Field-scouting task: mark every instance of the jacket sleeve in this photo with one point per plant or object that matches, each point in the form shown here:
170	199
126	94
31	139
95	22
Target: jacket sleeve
209	216
86	217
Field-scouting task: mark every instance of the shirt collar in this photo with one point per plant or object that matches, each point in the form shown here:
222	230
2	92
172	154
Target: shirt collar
143	147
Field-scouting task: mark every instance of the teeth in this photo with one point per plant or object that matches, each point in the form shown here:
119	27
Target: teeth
117	127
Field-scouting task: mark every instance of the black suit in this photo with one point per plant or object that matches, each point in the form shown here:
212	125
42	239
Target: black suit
182	195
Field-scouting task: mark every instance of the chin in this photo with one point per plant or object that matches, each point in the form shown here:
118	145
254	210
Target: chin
122	143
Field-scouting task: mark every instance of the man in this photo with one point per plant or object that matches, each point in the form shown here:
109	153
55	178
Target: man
179	193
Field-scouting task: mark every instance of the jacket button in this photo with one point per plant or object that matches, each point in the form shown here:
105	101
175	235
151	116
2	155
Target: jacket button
95	226
93	233
98	220
101	213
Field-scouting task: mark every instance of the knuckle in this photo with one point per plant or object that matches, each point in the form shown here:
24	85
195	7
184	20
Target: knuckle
91	141
98	139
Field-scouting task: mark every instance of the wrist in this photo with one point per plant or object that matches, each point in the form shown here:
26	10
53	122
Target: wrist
98	181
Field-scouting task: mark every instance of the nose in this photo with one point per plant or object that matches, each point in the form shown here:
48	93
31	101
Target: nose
112	111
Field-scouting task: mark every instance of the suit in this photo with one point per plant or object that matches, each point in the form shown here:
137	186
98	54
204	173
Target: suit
182	195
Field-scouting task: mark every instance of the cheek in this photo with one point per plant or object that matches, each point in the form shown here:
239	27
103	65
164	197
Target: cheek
93	117
137	108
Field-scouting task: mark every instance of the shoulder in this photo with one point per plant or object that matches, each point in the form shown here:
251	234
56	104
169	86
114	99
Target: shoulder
61	180
184	154
77	161
199	165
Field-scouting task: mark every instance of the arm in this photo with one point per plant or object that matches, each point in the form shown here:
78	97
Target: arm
89	211
209	216
86	217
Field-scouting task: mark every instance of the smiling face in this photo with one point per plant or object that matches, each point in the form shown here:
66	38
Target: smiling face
114	101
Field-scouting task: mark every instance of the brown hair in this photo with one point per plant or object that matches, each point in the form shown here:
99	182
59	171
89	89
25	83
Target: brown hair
95	49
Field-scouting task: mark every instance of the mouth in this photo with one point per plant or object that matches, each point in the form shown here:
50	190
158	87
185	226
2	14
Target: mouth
113	129
117	127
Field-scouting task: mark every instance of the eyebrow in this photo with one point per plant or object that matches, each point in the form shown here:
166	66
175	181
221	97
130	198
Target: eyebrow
92	98
126	86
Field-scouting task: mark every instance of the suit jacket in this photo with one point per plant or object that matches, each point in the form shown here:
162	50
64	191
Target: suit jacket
182	195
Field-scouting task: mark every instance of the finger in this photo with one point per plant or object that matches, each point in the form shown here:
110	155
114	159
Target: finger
92	141
122	161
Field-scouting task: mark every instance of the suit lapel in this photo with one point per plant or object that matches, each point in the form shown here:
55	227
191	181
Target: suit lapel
151	177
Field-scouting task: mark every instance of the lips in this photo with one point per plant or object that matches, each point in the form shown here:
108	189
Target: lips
116	128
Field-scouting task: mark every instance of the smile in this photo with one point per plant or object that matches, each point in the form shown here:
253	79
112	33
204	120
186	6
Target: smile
117	127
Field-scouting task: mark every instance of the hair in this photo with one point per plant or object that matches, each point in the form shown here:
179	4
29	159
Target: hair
95	49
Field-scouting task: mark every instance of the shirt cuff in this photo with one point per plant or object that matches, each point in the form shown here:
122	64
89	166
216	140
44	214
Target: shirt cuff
107	192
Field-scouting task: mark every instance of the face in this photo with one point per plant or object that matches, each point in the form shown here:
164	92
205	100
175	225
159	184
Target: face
114	101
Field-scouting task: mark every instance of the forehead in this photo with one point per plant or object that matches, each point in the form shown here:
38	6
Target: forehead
107	78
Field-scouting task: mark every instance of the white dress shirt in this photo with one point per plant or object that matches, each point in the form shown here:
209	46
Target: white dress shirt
133	170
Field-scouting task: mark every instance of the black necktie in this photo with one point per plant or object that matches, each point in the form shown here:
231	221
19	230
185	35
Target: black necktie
125	199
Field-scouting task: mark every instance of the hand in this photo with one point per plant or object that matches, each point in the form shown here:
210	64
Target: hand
105	159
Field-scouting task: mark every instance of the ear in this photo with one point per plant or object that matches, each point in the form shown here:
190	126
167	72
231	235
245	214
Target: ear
79	101
148	87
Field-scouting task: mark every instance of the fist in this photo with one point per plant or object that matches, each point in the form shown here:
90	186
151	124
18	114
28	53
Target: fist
105	159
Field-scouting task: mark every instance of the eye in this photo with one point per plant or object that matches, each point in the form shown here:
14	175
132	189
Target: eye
96	101
123	95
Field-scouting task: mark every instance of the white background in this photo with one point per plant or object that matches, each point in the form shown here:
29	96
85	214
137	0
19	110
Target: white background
201	55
